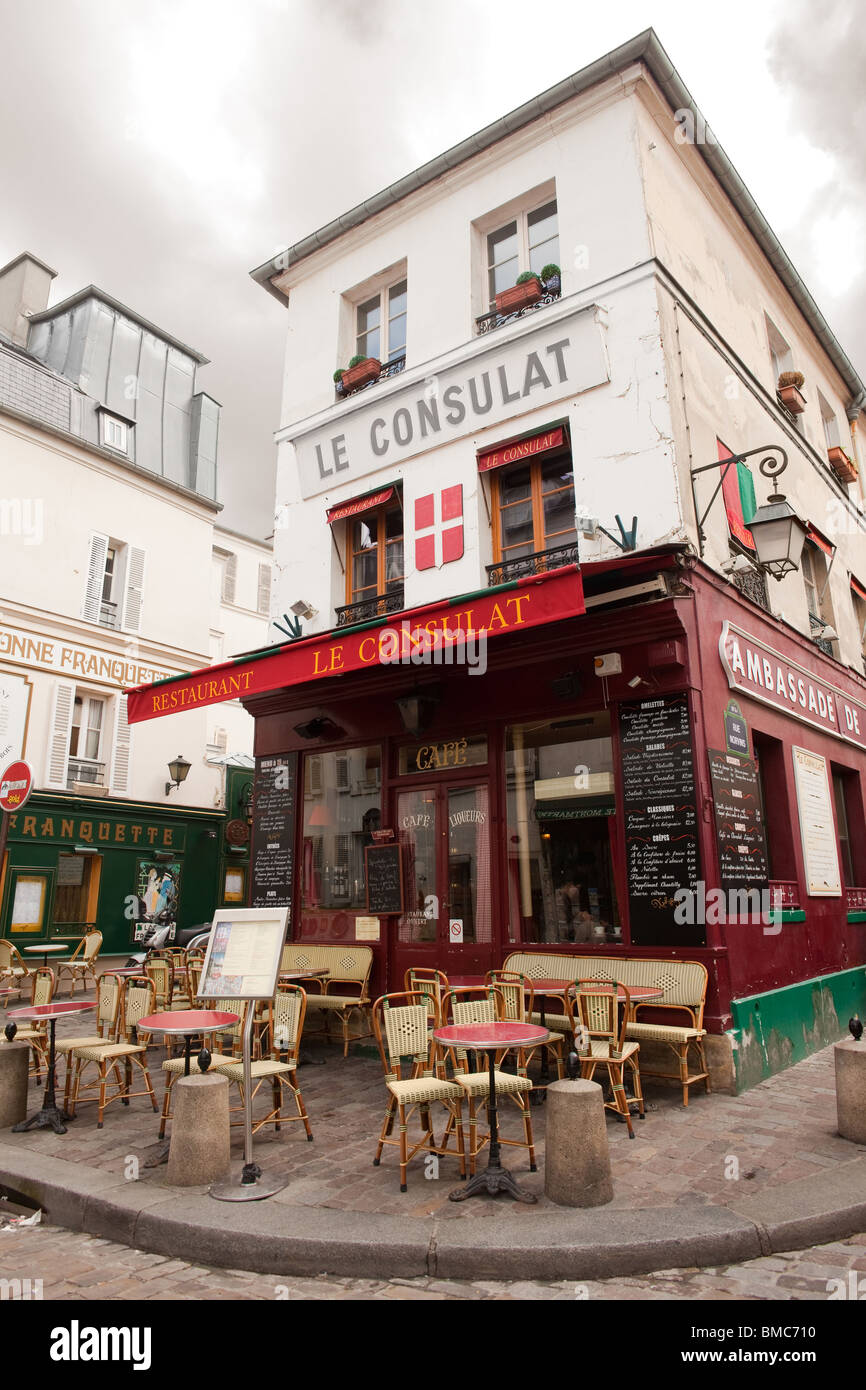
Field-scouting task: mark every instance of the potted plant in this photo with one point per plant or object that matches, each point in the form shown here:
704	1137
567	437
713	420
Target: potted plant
789	392
844	467
527	290
360	372
552	278
338	381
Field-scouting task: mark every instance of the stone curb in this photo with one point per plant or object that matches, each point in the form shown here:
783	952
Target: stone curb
275	1236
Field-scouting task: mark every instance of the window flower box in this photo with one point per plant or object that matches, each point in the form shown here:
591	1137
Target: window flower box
520	296
361	374
789	392
844	467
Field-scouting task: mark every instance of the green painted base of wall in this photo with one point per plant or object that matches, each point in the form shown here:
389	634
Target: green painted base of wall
774	1030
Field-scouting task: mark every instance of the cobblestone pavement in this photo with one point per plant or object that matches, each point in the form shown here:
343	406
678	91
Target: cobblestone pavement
74	1266
713	1151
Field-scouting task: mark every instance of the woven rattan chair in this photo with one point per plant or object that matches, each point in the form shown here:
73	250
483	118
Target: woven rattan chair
108	992
345	991
137	1000
486	1005
518	992
13	970
593	1006
36	1032
685	990
400	1026
159	971
82	963
285	1025
225	1046
433	984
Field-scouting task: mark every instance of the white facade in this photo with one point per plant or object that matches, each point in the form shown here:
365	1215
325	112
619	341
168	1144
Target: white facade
659	346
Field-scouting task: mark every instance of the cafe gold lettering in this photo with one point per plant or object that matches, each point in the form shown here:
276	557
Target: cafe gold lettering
431	756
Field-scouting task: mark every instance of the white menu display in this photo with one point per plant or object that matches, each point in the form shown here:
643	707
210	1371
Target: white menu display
14	704
243	953
817	827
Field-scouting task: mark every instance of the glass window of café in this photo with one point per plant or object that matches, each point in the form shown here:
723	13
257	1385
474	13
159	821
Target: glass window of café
342	808
561	803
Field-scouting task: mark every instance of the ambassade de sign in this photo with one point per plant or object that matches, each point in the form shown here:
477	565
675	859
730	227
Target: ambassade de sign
386	426
766	675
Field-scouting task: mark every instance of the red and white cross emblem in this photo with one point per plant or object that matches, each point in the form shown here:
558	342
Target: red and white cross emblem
447	528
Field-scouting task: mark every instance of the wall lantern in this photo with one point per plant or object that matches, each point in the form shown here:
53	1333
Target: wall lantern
177	771
417	710
777	531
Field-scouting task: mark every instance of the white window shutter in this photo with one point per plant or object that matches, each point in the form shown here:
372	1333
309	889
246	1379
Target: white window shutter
122	747
134	589
92	605
58	738
264	600
230	574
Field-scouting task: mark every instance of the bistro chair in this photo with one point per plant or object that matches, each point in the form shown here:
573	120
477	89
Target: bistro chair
36	1031
108	992
82	963
593	1006
227	1042
433	984
518	993
486	1005
137	1001
159	971
400	1026
13	970
285	1025
354	965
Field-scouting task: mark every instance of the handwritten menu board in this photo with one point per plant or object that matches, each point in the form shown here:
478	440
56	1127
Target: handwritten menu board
273	843
661	820
740	831
384	866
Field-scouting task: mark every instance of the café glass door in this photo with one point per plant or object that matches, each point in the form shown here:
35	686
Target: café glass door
448	923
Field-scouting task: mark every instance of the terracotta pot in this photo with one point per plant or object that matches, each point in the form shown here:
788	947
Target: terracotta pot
792	399
362	375
844	467
519	297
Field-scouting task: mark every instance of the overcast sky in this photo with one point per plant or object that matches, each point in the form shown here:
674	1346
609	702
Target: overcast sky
162	150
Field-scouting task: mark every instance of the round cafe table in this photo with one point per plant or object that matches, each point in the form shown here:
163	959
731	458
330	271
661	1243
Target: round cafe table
188	1024
46	949
491	1038
49	1117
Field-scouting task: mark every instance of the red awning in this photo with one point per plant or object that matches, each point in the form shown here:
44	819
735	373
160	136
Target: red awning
521	449
821	541
858	588
514	607
358	505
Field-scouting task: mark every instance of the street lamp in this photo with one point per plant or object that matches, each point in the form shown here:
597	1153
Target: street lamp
177	771
777	531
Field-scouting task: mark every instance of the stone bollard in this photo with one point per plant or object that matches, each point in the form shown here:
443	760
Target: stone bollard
14	1065
199	1151
576	1157
850	1057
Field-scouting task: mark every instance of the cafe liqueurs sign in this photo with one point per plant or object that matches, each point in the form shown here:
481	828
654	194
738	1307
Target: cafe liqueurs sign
766	675
555	362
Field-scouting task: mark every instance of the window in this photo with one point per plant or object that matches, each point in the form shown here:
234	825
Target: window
815	580
771	764
529	241
860	616
115	582
337	828
263	601
830	423
30	895
780	351
375	566
226	564
533	507
115	433
85	740
844	835
380	324
77	890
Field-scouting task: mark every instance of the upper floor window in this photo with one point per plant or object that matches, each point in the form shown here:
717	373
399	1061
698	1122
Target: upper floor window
375	563
380	324
529	241
115	579
816	582
88	741
533	507
830	423
226	573
780	351
85	736
115	432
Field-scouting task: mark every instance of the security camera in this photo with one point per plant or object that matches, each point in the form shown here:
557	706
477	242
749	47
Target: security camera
827	633
302	609
736	565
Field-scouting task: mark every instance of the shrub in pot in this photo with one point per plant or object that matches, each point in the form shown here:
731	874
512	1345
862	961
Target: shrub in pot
789	392
552	278
527	290
360	372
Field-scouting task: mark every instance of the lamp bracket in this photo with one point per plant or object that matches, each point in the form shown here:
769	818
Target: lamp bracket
770	467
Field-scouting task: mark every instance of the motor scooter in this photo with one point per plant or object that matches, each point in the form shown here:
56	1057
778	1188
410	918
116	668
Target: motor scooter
164	933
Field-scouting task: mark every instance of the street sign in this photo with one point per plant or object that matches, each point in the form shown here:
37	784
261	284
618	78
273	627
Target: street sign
16	784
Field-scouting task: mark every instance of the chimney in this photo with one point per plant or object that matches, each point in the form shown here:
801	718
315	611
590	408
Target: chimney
24	287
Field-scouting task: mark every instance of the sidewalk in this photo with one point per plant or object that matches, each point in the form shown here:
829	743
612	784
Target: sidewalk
727	1178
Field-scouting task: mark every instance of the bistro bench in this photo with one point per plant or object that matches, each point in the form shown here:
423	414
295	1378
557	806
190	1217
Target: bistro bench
684	983
346	987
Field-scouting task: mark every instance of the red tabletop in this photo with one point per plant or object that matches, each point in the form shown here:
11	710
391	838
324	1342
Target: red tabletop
490	1035
186	1021
51	1010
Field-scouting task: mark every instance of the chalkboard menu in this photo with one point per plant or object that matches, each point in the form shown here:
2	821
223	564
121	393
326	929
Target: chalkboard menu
740	832
384	867
661	821
273	845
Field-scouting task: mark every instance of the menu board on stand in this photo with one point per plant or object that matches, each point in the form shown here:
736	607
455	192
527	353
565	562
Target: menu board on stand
273	843
661	819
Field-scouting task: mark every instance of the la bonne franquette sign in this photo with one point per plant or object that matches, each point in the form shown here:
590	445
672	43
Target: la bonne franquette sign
764	674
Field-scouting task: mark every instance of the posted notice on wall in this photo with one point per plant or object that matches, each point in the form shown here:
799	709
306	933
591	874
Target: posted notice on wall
817	827
243	954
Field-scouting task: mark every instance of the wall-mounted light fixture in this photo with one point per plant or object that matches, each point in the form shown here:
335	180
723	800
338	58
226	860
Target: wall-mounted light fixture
417	709
177	771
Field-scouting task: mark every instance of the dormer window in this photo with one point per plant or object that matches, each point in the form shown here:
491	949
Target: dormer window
115	432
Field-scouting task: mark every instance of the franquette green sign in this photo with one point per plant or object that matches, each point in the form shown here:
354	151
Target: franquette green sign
96	831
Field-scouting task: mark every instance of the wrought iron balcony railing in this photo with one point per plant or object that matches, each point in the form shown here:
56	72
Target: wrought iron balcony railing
486	323
752	582
369	608
392	368
817	625
538	563
85	770
108	615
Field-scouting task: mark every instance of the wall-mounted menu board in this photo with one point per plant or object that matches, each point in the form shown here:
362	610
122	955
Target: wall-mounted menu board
661	820
740	831
817	827
384	873
273	843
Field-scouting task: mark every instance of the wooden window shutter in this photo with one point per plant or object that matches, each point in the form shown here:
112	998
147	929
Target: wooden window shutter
58	738
122	748
230	574
92	604
264	599
134	587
